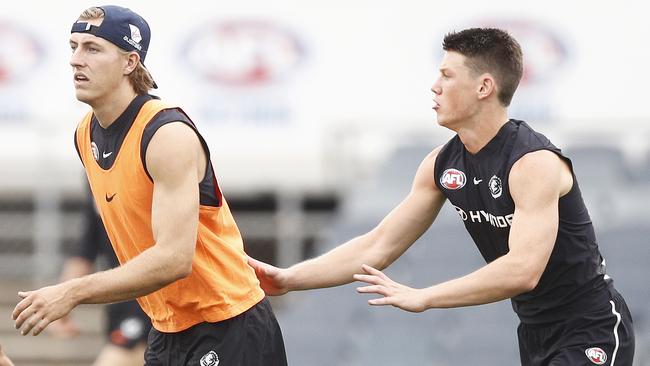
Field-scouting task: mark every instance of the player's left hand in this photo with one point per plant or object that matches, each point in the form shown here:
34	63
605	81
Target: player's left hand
395	294
40	307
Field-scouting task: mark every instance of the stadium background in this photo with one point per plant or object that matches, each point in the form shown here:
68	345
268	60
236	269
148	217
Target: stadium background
317	114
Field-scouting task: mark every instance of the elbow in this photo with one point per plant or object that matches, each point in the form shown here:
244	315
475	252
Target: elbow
183	271
378	256
182	268
527	286
177	267
527	282
522	274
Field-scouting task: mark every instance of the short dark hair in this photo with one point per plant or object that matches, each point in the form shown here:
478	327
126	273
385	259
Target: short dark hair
490	50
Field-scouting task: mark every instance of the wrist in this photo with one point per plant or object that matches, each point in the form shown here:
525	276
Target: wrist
428	298
74	291
288	279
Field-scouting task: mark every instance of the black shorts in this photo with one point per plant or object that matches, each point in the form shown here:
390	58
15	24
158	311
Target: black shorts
603	336
127	325
252	338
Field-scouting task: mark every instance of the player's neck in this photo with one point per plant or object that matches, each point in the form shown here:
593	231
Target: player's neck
110	108
476	133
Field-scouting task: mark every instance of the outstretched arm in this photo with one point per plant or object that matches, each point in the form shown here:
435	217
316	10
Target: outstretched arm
537	181
379	247
176	162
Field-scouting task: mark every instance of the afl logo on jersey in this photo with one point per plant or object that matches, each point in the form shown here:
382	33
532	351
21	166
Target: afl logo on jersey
495	186
453	179
596	355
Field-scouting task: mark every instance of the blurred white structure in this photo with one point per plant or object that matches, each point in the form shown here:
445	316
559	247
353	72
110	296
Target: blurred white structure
303	98
287	93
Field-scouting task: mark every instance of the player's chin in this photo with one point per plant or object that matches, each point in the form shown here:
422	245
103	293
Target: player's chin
446	121
83	95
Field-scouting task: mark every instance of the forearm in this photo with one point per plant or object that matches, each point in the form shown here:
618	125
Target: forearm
335	267
150	271
502	279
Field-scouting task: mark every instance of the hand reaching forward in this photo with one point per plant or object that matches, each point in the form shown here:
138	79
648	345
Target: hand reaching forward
40	307
395	294
272	279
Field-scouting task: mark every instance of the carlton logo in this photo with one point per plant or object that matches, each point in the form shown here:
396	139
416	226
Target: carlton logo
495	186
596	355
243	52
453	179
210	359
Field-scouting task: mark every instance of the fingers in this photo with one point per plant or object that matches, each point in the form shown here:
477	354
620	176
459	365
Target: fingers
35	323
39	327
380	290
371	270
375	272
261	267
381	301
20	313
27	315
373	276
365	278
380	284
31	320
375	289
253	262
22	305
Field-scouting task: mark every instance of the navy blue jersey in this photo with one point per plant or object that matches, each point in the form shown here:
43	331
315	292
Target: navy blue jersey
477	186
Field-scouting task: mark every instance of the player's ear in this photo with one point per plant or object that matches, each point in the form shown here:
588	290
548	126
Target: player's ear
132	61
487	86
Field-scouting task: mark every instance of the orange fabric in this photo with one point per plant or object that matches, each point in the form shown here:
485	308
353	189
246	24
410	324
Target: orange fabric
221	285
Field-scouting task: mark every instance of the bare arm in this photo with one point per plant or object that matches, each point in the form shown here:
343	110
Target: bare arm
176	162
537	181
379	247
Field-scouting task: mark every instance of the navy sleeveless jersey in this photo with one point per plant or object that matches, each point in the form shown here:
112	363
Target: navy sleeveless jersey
477	186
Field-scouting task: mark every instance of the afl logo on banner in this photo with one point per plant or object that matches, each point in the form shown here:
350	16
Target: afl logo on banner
545	51
242	53
453	179
19	53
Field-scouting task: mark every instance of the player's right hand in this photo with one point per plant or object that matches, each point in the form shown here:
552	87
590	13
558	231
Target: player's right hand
272	279
64	328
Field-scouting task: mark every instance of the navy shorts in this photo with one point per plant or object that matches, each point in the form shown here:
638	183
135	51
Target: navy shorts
252	338
127	324
600	336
